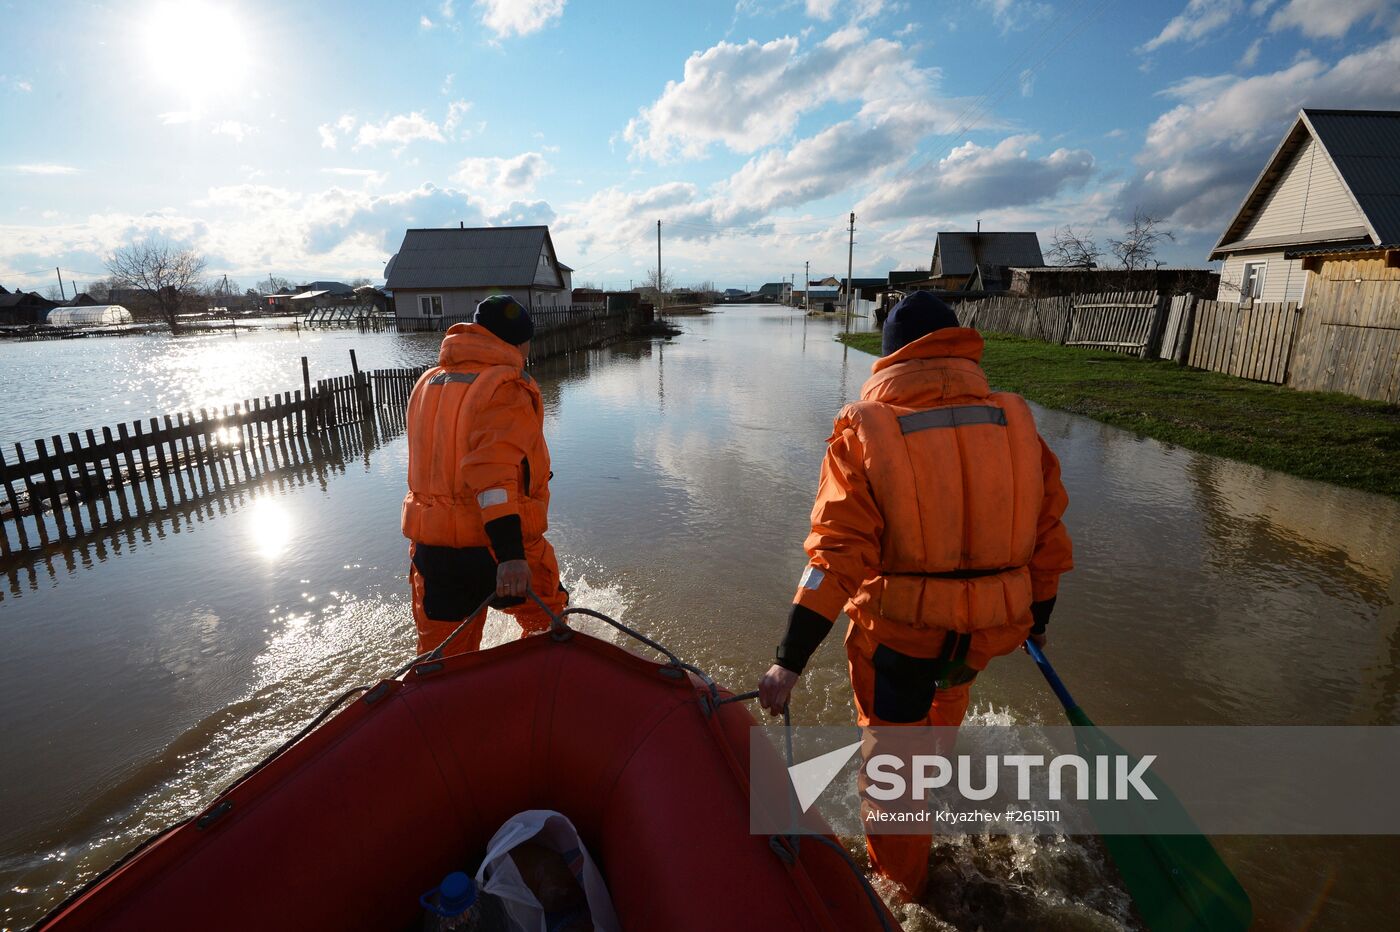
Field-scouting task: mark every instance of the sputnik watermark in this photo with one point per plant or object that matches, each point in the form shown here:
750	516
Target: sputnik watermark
1140	780
1118	775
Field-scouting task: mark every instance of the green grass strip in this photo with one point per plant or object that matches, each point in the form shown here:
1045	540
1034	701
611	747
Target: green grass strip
1316	435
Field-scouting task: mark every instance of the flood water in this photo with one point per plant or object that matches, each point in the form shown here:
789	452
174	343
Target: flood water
138	679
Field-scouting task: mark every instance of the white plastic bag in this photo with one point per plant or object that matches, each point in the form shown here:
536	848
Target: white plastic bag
498	874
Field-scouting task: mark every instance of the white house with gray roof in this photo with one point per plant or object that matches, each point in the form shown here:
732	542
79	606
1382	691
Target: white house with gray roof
445	273
1333	182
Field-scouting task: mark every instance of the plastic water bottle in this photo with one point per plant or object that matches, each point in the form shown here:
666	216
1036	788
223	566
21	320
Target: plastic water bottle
453	904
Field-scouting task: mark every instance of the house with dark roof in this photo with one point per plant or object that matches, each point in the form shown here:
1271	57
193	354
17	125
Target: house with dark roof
445	273
335	288
24	307
959	256
1331	186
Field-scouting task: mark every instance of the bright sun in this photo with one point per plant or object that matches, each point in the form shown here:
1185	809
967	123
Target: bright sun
198	49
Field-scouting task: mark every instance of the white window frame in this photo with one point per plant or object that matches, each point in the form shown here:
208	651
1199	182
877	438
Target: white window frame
425	305
1256	284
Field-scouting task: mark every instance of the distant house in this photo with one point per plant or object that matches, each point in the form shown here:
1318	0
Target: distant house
958	256
772	290
445	273
866	289
24	307
335	288
82	300
1333	183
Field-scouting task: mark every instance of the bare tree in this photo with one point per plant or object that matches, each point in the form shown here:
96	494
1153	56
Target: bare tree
666	284
1074	249
360	282
53	294
1140	241
164	274
274	285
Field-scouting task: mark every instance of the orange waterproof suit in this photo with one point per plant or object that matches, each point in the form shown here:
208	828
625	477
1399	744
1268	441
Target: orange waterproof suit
478	487
936	527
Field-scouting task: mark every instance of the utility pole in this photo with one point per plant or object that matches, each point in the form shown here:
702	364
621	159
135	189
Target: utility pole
850	281
660	301
61	293
807	295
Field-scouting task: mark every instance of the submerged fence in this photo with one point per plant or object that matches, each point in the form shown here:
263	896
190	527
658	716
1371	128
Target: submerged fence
66	489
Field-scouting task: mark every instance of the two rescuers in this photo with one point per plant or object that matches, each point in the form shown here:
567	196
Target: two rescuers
936	526
478	482
937	529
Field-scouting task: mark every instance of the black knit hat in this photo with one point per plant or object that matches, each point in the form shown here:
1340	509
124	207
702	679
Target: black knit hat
919	314
506	318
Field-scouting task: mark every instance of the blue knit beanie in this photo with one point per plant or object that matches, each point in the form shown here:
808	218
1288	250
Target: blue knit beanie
506	318
919	314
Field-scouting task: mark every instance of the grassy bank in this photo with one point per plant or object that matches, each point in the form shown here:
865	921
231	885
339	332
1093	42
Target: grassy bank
1317	435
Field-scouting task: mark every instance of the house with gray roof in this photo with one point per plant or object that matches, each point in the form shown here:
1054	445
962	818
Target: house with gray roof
958	256
1331	185
445	273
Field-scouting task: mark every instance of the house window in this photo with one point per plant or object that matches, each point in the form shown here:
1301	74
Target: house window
430	305
1253	284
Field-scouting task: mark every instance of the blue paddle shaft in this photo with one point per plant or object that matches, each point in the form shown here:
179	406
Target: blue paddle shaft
1051	676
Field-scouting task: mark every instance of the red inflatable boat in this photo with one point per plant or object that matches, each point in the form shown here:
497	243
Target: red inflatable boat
345	828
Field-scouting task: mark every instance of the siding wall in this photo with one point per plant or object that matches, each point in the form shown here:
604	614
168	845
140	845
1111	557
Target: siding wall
1283	278
462	302
1308	198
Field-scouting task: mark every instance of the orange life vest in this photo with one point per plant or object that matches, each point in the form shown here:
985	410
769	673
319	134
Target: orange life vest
476	448
954	475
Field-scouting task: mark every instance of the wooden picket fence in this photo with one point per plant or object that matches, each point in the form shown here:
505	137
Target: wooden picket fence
1252	341
1122	322
61	492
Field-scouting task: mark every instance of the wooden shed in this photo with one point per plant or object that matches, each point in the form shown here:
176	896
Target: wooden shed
1349	334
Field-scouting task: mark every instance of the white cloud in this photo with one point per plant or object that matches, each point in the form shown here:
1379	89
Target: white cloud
978	178
1202	19
1027	82
233	129
750	96
45	168
518	17
1329	19
368	175
455	111
398	131
1250	58
821	9
502	178
176	117
446	9
1201	155
1016	14
24	86
424	22
328	140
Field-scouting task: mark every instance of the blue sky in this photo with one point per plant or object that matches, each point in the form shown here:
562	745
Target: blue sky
300	139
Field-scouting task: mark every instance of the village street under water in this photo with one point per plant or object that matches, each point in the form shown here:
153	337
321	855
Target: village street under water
138	679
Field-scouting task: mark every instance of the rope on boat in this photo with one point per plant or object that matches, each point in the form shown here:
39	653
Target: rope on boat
787	847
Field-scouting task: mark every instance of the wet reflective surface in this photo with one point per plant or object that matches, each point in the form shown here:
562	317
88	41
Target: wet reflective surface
137	679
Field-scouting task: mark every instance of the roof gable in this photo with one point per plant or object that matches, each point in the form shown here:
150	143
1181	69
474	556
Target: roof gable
1359	147
961	253
472	257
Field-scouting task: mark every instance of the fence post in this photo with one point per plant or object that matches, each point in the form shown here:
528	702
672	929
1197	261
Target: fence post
1188	330
1158	327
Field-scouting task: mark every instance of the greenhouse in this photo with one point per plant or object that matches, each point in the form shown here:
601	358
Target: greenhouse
99	315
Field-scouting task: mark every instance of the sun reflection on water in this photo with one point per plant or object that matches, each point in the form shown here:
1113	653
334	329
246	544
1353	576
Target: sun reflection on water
270	528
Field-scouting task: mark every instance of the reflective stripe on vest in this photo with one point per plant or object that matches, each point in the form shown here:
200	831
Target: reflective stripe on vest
959	416
443	378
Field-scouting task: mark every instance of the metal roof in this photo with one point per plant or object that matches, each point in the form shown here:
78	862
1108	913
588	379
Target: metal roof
474	257
1364	148
961	253
1340	250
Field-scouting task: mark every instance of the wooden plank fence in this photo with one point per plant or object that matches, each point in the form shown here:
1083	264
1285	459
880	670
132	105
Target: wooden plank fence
1251	341
1122	322
66	489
